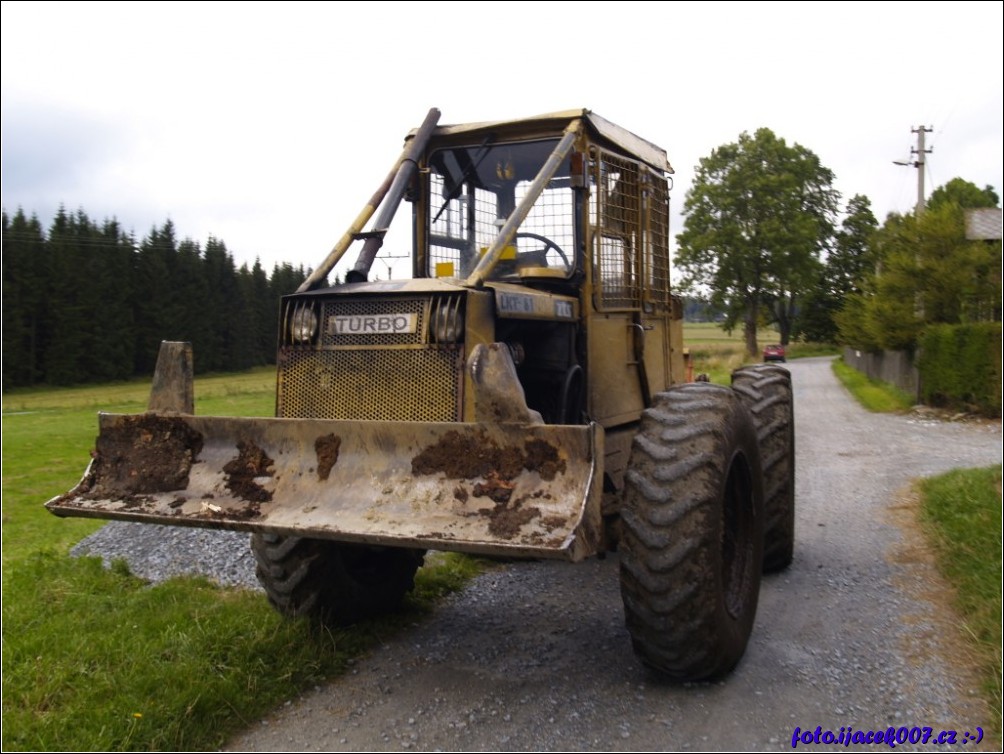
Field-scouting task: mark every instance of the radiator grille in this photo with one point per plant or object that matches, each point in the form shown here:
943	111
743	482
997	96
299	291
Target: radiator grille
380	384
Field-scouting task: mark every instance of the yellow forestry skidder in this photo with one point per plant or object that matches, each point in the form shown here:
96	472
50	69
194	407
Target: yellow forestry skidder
523	395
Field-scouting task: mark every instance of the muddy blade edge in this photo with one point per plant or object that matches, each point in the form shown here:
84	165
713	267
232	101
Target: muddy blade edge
518	490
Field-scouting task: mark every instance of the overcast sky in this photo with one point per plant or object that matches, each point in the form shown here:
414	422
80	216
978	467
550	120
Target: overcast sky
269	125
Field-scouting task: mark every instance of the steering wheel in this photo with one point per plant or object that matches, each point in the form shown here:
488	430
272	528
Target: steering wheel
548	244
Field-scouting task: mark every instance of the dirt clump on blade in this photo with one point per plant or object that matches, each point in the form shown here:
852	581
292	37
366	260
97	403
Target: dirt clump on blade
251	462
326	448
468	456
143	454
542	457
494	488
506	519
478	456
460	456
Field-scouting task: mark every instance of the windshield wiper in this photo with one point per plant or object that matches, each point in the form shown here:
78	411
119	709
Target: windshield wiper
468	172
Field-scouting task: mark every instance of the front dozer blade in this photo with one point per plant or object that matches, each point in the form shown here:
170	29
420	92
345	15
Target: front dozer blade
521	490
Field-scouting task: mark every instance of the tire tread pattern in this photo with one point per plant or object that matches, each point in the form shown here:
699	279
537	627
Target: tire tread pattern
766	390
332	583
671	574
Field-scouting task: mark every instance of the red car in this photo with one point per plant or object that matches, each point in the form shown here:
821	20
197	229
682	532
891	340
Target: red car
773	353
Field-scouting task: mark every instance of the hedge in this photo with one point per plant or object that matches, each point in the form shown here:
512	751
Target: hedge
960	366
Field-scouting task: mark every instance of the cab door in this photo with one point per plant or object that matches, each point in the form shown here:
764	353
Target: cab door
629	312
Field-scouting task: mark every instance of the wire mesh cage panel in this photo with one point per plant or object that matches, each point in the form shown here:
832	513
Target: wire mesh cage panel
552	217
474	191
615	217
629	220
656	258
459	227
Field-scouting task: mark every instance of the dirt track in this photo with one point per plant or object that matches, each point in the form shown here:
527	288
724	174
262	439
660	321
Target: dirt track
536	656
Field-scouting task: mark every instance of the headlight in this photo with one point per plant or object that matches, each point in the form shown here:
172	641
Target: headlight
303	324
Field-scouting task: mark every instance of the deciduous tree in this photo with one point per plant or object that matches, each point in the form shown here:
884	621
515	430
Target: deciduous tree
758	215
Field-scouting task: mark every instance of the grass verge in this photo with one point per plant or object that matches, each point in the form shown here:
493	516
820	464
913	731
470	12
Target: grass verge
874	395
96	659
961	512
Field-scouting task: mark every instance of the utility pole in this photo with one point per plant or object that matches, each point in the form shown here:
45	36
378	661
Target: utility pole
918	163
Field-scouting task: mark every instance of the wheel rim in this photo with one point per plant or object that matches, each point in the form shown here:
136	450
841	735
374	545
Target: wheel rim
737	542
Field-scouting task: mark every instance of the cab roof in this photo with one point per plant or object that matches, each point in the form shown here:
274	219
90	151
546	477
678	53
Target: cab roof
631	143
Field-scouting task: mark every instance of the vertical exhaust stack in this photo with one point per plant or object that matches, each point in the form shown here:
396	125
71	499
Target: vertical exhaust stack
394	185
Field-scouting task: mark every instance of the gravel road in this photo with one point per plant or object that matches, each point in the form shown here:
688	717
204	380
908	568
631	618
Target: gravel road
534	655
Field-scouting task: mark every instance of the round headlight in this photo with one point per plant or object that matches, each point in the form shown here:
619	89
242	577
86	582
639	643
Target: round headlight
303	325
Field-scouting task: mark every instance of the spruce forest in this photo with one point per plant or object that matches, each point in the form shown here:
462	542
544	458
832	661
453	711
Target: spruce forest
84	302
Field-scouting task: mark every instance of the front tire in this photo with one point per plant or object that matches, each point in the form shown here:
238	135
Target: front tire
692	547
766	391
333	583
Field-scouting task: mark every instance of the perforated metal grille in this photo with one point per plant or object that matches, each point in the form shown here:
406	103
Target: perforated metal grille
373	309
382	384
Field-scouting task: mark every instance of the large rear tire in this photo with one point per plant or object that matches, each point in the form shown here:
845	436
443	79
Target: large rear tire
692	547
766	391
333	583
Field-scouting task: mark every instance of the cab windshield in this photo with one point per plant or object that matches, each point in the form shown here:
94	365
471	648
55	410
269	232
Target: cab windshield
472	192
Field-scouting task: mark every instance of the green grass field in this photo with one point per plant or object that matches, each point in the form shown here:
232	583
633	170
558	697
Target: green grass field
96	659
